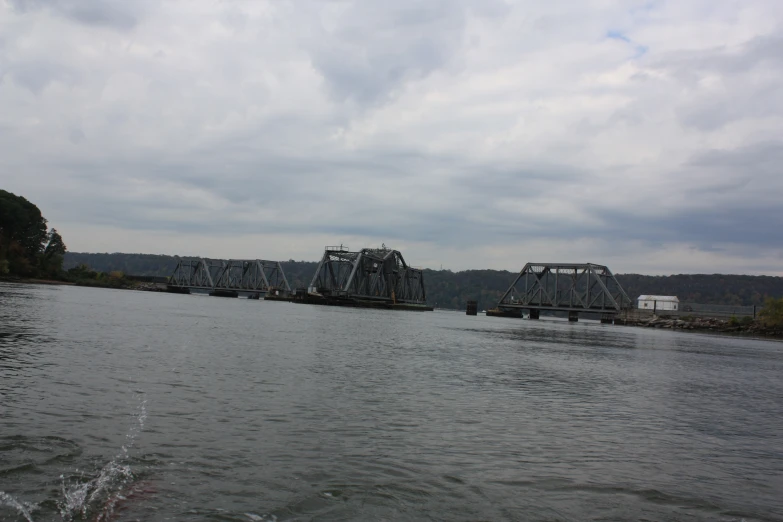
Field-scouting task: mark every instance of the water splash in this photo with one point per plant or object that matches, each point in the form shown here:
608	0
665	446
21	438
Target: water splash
23	509
95	496
81	496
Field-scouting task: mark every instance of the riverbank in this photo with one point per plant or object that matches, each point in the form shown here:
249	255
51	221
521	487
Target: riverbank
29	281
706	324
745	327
114	283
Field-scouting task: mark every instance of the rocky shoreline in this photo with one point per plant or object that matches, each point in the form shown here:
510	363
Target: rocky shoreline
148	287
706	324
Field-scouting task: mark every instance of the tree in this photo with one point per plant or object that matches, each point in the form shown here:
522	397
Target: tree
772	313
54	244
51	261
21	222
24	239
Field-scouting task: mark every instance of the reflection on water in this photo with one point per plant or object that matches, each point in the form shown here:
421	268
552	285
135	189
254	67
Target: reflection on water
122	405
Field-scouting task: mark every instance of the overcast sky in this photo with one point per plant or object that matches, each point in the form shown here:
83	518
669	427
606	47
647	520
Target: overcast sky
645	135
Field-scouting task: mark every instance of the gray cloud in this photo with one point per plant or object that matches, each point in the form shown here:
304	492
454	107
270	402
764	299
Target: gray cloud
76	136
491	130
37	75
729	84
763	158
374	48
116	14
372	51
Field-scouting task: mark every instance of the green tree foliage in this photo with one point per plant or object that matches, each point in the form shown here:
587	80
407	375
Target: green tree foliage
26	247
51	261
299	273
134	264
772	313
80	272
54	244
447	289
83	275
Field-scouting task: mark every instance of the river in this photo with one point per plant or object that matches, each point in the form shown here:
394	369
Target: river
123	405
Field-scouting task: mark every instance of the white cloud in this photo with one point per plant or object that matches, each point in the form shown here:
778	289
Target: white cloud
475	134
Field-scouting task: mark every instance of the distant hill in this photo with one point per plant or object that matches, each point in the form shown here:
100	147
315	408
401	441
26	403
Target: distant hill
446	289
134	264
705	288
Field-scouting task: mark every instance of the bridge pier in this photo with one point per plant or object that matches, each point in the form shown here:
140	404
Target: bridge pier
607	318
534	313
573	316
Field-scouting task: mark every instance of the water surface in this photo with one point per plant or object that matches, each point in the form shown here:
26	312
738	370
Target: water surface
121	405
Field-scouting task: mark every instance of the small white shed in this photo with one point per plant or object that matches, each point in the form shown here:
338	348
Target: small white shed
658	302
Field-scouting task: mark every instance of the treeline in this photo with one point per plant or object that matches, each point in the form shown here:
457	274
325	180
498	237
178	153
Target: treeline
446	289
27	247
706	289
135	264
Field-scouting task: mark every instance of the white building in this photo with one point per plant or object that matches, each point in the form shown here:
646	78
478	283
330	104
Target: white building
658	302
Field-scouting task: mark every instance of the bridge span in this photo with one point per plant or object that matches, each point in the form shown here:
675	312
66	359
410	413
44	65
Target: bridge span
370	277
253	278
564	287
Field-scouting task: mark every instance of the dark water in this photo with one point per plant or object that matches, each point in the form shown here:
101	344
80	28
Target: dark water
120	405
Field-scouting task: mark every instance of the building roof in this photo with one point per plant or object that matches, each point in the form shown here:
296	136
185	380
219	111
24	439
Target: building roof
672	298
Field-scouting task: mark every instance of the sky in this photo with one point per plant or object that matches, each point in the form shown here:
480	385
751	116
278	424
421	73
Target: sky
643	135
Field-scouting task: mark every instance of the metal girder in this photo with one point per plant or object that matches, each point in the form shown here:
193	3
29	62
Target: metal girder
250	275
576	287
369	274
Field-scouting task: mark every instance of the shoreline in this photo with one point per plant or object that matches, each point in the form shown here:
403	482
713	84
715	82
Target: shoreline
33	281
712	325
705	325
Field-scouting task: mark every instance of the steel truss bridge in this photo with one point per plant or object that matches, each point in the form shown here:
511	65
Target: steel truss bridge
231	277
372	274
565	287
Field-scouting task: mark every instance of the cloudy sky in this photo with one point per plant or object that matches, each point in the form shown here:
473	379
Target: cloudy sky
645	135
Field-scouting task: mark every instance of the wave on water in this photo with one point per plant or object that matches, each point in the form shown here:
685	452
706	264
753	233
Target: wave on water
93	496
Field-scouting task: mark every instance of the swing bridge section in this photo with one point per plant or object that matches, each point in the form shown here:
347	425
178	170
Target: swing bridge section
254	278
565	287
371	277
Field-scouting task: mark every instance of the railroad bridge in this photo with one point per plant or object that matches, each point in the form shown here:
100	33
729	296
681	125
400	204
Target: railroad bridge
254	278
371	277
564	287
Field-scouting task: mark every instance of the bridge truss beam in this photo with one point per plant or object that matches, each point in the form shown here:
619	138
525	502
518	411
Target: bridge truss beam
232	275
379	274
567	287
